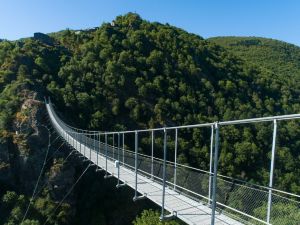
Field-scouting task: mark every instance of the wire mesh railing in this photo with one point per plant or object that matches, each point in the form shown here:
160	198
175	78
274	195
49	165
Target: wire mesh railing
246	202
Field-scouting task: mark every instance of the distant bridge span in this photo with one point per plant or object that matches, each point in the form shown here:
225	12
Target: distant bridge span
193	195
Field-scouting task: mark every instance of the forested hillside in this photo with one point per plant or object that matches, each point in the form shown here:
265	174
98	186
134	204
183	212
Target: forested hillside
133	74
282	58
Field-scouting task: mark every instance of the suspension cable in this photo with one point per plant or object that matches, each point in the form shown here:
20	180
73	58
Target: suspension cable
70	190
57	138
55	151
40	175
37	194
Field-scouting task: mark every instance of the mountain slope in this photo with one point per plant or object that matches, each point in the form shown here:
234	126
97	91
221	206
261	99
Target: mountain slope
282	58
133	74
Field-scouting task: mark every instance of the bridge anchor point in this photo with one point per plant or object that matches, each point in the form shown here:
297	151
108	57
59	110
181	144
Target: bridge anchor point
120	185
168	217
136	198
107	176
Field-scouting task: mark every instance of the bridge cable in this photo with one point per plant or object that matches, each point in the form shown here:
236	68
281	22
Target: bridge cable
37	194
40	175
57	138
69	192
63	142
55	152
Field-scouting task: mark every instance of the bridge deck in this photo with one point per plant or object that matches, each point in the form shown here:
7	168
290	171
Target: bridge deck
188	210
187	188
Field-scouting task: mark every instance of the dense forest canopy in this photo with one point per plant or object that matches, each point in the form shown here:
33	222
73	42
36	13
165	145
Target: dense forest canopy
133	74
281	58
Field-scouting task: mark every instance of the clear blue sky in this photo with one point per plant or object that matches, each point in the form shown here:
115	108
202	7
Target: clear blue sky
278	19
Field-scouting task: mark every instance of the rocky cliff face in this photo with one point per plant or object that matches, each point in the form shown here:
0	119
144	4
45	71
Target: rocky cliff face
24	150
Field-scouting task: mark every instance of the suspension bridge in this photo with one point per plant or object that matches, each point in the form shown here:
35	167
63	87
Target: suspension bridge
193	195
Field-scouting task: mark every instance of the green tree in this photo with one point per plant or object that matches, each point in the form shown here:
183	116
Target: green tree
150	217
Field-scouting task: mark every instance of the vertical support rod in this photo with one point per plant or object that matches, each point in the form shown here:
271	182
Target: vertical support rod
80	139
136	163
113	145
105	154
90	147
272	171
84	144
164	176
123	148
118	146
213	208
98	150
76	140
73	138
118	164
175	159
87	143
210	163
100	143
95	138
152	151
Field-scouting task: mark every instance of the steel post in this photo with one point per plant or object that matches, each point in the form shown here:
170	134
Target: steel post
106	174
95	138
164	177
272	171
118	159
175	159
152	152
84	144
99	143
80	140
123	148
118	164
89	145
73	139
135	163
210	163
76	137
214	203
98	150
136	197
118	146
113	145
